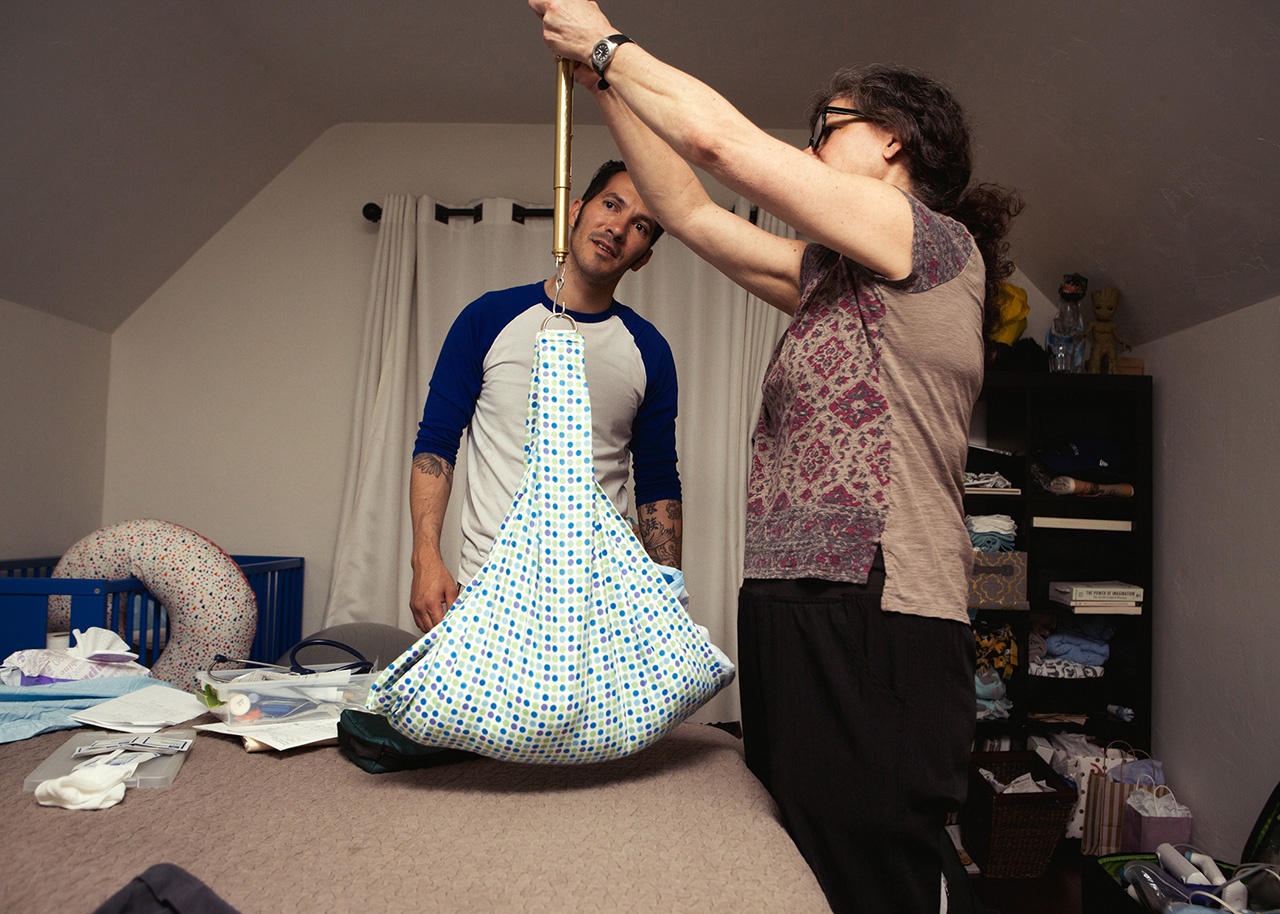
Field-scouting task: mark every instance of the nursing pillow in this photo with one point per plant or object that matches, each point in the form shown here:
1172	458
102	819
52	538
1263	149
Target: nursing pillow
210	605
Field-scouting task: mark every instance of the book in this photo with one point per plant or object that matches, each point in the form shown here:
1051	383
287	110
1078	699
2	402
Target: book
1100	607
1094	591
1108	609
1081	523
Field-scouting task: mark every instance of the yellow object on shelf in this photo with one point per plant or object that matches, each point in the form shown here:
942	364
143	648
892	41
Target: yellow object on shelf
1013	315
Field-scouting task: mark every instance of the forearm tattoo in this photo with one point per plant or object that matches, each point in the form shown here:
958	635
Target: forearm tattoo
660	531
433	465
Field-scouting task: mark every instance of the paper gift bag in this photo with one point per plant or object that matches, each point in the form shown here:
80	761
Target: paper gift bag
1075	758
1104	814
1152	818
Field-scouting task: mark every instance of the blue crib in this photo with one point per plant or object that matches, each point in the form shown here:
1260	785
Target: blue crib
126	607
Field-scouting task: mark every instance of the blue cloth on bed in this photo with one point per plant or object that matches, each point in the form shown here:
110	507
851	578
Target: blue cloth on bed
27	711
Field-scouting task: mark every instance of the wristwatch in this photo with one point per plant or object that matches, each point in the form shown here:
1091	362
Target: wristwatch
602	56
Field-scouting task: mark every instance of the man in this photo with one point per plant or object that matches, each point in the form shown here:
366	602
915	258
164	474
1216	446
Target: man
481	384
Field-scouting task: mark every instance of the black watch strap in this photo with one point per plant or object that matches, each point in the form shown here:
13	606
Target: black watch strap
602	56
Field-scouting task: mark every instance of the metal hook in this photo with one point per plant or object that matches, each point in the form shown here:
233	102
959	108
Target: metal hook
558	307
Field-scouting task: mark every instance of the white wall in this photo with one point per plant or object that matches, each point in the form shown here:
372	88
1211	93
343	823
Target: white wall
1217	578
1042	312
53	409
232	387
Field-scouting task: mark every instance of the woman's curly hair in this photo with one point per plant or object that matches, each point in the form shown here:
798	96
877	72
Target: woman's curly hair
934	133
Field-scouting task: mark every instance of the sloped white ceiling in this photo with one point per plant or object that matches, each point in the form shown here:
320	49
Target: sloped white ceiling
1144	135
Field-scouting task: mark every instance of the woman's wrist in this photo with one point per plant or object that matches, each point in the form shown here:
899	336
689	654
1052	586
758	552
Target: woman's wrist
602	54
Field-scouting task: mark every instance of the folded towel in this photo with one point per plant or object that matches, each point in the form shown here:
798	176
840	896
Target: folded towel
1076	648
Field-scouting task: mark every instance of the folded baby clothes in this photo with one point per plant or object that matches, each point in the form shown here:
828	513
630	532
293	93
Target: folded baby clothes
1077	648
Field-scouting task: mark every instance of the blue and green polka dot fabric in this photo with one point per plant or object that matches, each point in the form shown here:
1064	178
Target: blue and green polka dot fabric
570	645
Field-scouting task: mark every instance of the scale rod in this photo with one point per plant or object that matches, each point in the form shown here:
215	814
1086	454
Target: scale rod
564	157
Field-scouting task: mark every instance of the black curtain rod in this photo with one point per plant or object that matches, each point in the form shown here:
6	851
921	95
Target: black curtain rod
373	212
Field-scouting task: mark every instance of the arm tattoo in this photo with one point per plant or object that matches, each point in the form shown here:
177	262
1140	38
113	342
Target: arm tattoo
433	465
659	532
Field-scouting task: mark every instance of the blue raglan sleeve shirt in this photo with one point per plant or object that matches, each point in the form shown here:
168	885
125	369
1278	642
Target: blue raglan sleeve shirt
459	375
653	438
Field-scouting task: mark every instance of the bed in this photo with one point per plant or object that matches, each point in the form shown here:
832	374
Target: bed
681	826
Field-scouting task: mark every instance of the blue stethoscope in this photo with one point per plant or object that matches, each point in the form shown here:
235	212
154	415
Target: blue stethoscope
358	666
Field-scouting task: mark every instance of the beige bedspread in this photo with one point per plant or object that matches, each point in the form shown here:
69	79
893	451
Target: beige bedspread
682	826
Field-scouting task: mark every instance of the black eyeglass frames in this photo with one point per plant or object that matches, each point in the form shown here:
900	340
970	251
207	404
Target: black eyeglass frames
820	123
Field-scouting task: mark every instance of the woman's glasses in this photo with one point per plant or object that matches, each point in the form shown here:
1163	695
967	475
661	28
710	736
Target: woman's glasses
820	131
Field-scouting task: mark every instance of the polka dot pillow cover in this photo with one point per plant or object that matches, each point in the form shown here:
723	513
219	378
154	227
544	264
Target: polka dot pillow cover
211	607
569	646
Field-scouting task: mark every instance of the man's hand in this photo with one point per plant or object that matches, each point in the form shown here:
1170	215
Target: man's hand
434	588
433	592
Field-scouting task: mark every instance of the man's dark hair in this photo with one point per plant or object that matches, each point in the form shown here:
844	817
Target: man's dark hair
604	174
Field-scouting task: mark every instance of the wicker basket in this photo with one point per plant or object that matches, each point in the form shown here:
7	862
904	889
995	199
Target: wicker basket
1014	835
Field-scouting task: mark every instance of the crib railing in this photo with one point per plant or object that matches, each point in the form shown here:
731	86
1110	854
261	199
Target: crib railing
126	607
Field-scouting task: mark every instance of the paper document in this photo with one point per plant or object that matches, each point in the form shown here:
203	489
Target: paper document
144	711
282	736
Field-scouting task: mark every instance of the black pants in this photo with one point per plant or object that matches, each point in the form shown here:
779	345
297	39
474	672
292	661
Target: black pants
860	723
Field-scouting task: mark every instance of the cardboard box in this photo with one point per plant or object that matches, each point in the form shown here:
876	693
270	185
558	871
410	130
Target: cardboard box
999	581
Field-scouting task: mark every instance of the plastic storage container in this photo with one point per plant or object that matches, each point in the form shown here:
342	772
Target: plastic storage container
156	772
310	696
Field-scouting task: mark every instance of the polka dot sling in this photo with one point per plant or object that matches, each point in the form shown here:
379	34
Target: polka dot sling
568	646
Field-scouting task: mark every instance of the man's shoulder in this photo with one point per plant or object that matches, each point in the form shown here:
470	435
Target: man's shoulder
514	299
637	325
655	351
492	311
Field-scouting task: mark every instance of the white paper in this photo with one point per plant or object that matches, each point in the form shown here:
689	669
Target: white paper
282	736
144	711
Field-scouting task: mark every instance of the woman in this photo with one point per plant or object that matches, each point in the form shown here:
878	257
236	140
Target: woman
855	657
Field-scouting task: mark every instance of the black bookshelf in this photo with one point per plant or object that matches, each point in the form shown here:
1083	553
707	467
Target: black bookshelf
1069	537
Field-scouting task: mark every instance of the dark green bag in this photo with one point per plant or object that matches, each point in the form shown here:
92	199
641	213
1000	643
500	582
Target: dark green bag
371	742
1263	846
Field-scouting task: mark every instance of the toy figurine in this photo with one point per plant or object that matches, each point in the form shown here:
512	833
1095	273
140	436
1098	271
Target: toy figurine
1064	340
1103	334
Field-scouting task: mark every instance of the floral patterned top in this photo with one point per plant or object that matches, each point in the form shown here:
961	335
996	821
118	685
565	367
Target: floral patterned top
863	428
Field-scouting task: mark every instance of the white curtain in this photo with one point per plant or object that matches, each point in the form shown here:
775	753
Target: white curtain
425	271
721	338
371	538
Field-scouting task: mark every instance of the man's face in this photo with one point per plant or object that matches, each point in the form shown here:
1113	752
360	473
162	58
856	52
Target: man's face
611	232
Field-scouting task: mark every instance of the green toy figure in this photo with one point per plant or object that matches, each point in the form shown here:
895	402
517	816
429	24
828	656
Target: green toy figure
1103	334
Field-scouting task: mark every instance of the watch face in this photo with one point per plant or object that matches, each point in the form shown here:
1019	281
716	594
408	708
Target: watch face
600	54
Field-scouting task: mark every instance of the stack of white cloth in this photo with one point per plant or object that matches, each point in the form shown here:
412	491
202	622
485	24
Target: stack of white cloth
986	481
992	532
